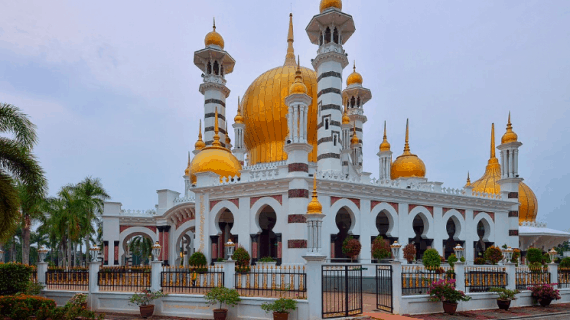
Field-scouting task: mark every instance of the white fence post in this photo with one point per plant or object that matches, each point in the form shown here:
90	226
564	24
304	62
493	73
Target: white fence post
397	305
93	276
460	276
155	280
229	274
511	269
315	285
553	269
41	272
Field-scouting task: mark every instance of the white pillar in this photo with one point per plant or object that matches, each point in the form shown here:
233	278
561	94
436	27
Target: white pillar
553	269
41	270
460	276
229	273
511	269
94	276
314	285
155	281
397	305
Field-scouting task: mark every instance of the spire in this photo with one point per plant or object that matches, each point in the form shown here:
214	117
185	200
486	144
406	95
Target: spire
385	145
493	141
228	140
468	180
314	206
354	66
199	145
290	56
216	142
407	144
510	135
189	158
214	24
238	118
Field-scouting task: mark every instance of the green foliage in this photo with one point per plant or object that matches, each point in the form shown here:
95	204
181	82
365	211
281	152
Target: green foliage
197	259
479	261
516	256
23	307
452	260
493	254
33	288
410	252
241	256
505	294
221	296
462	259
534	255
431	258
267	259
535	267
145	297
444	290
381	248
141	246
565	263
351	247
280	305
14	278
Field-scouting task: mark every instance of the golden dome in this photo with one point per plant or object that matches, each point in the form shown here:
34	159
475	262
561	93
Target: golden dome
488	183
214	38
354	77
385	145
345	117
510	135
314	206
216	159
325	4
298	87
407	165
199	145
265	112
238	118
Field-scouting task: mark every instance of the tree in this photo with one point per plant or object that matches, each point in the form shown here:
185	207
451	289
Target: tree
141	246
30	206
17	163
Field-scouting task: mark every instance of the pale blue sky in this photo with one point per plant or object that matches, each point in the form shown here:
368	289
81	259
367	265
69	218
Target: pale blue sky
114	92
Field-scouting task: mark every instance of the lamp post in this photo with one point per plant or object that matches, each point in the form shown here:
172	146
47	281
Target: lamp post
552	253
156	250
458	249
230	247
508	254
94	252
395	247
42	253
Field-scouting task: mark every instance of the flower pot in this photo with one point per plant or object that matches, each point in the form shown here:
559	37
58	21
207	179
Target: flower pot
503	304
280	316
220	314
147	311
449	307
545	302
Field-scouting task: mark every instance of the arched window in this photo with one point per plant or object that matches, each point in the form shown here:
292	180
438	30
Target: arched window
352	102
216	68
328	35
209	70
326	124
335	139
358	102
335	35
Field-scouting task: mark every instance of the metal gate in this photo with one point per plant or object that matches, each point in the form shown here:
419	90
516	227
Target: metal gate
384	298
341	290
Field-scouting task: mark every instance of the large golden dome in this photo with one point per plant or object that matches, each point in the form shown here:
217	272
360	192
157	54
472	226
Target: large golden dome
264	110
407	165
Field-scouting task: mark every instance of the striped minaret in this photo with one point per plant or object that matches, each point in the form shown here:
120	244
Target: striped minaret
330	30
215	63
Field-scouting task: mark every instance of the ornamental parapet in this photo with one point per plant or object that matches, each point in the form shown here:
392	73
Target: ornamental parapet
185	200
138	213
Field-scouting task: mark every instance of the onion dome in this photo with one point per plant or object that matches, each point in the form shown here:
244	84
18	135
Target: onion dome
325	4
510	135
354	139
199	145
228	140
385	145
354	77
314	206
298	87
345	117
216	159
213	38
238	118
407	165
528	208
187	171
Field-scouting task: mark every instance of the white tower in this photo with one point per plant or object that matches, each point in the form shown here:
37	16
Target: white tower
215	63
356	151
385	156
345	142
330	30
239	128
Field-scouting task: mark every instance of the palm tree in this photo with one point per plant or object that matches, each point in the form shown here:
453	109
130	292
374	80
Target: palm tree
17	163
141	246
30	206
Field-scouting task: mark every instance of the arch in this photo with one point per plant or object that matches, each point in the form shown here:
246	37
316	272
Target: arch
352	102
460	229
352	209
327	35
335	35
392	215
217	211
427	218
128	234
216	67
188	234
258	207
489	235
209	68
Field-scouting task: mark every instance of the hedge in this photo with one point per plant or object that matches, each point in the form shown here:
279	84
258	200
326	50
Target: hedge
23	306
14	277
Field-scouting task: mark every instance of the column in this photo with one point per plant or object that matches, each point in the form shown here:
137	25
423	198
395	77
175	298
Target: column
156	269
42	269
229	274
313	269
511	275
397	303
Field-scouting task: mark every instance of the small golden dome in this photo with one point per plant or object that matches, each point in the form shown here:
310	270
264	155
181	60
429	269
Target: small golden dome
214	38
385	145
298	87
199	145
407	165
354	139
314	206
228	140
345	117
238	118
325	4
510	135
354	77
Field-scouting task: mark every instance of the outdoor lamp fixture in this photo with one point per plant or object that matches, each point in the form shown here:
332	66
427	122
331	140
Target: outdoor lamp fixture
508	254
395	247
230	247
42	253
1	255
156	250
458	249
94	253
552	253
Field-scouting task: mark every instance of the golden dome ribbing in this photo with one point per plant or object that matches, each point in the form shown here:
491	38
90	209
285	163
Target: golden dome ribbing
214	38
407	165
354	77
325	4
298	87
199	145
510	135
314	207
385	145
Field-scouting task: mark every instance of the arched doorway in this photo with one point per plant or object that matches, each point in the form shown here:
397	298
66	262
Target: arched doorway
184	247
452	229
343	222
225	223
421	243
137	249
267	238
383	225
481	245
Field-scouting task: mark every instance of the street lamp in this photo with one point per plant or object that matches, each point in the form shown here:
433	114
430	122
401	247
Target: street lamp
552	253
230	247
156	250
94	252
508	254
42	253
395	247
458	249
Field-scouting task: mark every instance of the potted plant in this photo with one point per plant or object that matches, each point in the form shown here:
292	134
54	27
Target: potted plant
280	308
351	247
198	262
241	256
410	252
220	296
266	262
493	254
516	256
143	300
444	291
431	259
381	249
545	293
505	297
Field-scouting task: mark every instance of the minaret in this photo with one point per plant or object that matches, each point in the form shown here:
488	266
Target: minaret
199	145
239	128
385	156
215	63
345	142
330	30
354	97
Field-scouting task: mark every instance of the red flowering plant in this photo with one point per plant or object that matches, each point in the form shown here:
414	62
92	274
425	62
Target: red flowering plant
381	248
351	247
444	290
410	252
493	254
545	291
145	297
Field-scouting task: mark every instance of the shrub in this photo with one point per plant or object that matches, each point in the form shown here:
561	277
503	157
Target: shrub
145	297
452	260
14	278
410	252
462	259
505	294
241	256
544	292
197	259
221	296
534	255
351	247
444	290
24	306
479	261
280	305
431	259
381	248
493	254
516	255
267	259
565	263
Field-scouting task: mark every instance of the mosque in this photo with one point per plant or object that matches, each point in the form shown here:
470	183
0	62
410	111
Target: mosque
294	123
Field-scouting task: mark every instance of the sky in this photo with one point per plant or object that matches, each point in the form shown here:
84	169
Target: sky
113	90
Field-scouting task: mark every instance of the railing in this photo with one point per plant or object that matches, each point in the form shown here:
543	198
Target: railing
193	280
527	277
481	279
34	276
131	279
274	281
564	278
71	279
417	279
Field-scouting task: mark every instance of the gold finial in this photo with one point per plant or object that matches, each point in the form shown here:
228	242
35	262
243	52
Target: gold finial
189	159
228	140
199	145
216	142
407	144
187	171
354	66
238	118
314	206
510	135
385	146
345	117
214	23
290	56
493	141
468	180
298	87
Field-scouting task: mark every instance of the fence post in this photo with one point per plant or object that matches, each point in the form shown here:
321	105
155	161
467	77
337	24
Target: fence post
511	269
553	269
155	276
397	287
94	276
41	270
229	274
460	276
314	278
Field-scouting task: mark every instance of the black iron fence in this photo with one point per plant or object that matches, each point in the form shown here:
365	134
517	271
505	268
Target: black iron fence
564	278
130	279
194	280
272	281
71	279
341	290
384	297
482	279
417	279
527	277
